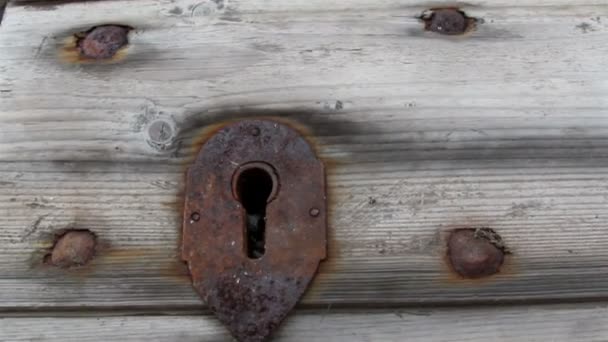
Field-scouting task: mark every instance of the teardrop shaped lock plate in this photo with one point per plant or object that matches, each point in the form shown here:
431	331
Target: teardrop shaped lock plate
255	224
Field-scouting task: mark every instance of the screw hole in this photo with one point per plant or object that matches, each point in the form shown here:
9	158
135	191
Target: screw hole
314	212
195	217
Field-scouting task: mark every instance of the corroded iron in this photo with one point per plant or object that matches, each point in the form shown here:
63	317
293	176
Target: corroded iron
250	279
476	253
103	42
73	248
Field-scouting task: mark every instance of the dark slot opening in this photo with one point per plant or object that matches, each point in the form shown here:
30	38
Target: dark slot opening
253	189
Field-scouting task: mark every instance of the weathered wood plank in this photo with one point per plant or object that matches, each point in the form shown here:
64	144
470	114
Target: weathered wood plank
390	251
505	128
105	108
537	323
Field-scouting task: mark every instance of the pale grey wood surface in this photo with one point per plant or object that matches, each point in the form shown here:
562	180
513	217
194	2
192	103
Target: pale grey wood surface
505	128
517	324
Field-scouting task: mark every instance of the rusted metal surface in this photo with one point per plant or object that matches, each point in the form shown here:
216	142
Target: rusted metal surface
476	253
449	21
73	248
102	42
251	293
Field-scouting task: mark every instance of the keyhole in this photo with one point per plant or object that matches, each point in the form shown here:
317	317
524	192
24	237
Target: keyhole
254	186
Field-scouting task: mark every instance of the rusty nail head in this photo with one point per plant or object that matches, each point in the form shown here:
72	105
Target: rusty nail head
73	248
102	42
448	21
254	251
475	253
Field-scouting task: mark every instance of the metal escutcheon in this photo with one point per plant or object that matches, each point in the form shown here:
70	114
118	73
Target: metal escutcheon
255	224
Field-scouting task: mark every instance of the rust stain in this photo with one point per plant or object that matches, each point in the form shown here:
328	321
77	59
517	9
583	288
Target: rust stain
178	205
128	254
177	271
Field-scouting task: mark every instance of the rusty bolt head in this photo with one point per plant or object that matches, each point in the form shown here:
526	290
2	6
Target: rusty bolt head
475	253
74	248
448	21
314	212
103	42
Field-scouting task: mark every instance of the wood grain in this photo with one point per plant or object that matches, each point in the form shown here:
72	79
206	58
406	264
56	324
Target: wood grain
504	128
559	324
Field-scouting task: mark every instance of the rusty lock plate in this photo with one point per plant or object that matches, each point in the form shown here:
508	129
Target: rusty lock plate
255	224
